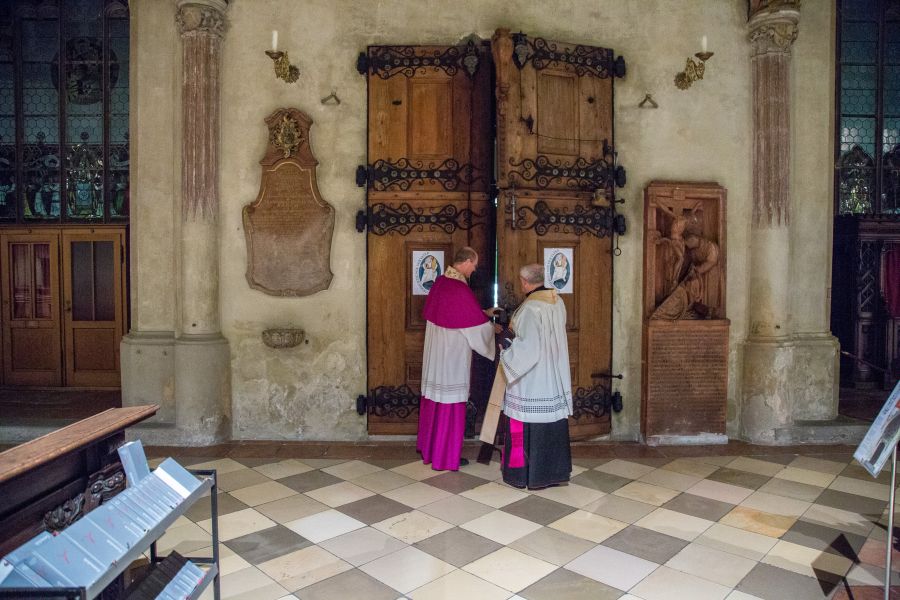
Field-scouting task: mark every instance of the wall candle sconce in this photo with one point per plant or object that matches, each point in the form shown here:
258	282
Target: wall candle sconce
693	71
283	67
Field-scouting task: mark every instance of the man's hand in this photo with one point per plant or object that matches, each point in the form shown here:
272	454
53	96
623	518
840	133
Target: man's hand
490	312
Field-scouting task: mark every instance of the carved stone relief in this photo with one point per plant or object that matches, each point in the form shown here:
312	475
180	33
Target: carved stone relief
289	226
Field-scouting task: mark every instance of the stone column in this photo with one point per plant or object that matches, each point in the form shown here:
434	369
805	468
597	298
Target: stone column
202	381
768	353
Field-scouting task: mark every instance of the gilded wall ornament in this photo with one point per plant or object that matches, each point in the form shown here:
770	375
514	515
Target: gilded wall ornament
287	135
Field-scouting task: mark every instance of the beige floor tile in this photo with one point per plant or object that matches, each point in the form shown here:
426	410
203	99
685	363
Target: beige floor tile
459	584
407	569
241	478
456	509
588	526
723	492
708	563
339	494
416	471
291	508
494	494
412	527
791	489
736	595
624	468
324	525
250	584
322	463
570	495
362	545
490	472
719	461
737	541
501	527
304	567
262	493
669	584
221	465
417	494
777	505
612	567
691	467
673	523
838	519
352	469
806	476
806	561
646	493
869	489
818	464
752	465
758	521
670	479
621	509
383	481
236	524
577	470
183	539
510	569
284	468
229	561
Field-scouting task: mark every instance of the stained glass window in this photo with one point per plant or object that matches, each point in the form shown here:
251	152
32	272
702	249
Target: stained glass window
63	110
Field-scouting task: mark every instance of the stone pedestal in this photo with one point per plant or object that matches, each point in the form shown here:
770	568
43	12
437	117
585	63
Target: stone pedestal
148	373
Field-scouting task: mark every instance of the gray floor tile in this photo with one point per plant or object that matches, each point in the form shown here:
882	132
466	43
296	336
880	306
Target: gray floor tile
781	459
455	482
553	546
311	480
350	584
566	585
852	502
537	509
590	463
458	546
741	478
792	489
202	510
698	506
388	463
813	535
267	544
644	543
771	583
252	461
373	509
597	480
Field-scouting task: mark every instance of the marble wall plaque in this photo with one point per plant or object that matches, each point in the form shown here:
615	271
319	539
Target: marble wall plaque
289	226
685	377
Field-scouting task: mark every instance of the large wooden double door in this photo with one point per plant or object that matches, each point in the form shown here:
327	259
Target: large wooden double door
505	147
62	306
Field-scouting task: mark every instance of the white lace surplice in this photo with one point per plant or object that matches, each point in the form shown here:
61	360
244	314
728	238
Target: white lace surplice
447	361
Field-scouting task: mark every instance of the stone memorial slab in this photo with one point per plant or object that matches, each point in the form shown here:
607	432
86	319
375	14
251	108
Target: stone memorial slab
289	226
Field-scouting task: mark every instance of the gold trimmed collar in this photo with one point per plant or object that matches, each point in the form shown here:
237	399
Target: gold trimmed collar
454	274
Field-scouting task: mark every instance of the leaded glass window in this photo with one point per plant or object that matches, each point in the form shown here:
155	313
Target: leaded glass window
63	111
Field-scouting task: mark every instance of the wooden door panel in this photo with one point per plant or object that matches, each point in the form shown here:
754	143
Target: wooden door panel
557	175
32	353
93	315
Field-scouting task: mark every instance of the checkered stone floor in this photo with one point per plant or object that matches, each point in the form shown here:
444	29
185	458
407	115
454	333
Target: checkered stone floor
772	527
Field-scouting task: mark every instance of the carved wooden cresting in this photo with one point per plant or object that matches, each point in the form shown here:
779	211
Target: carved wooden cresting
289	226
685	338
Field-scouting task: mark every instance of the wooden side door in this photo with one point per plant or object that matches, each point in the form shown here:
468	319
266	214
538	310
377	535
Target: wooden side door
428	180
29	264
93	307
557	176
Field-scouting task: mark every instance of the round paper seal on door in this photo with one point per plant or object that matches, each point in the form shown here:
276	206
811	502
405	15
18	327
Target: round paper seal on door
427	267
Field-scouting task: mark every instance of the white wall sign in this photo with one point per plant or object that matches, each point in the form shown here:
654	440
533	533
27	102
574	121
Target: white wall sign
558	269
427	265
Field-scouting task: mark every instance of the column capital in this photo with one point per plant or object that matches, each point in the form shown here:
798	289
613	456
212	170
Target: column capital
201	17
773	27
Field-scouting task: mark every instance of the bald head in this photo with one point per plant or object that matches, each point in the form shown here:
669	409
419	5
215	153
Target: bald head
533	274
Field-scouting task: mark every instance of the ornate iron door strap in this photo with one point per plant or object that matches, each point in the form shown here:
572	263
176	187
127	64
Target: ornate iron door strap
403	218
595	402
395	402
401	175
408	61
583	174
600	221
587	60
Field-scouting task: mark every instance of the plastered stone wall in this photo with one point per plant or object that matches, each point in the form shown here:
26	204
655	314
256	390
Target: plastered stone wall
701	134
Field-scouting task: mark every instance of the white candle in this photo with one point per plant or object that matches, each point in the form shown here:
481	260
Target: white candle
703	43
275	40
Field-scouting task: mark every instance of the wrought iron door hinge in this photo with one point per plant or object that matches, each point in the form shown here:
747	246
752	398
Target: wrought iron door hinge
362	63
362	175
362	404
619	67
362	220
616	401
619	224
